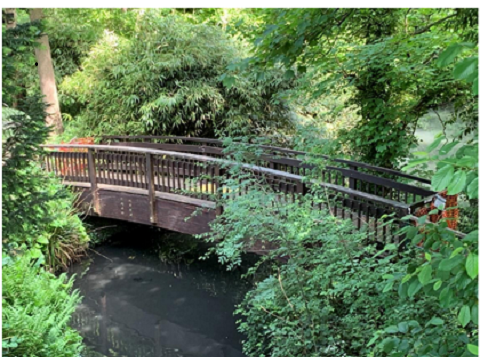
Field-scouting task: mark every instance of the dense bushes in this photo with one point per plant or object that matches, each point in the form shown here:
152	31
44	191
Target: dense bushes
40	232
37	214
36	308
167	80
337	295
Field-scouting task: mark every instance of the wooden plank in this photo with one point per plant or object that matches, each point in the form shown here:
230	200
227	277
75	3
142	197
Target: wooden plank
170	214
141	191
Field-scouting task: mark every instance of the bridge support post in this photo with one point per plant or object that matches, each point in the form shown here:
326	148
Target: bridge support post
92	175
151	187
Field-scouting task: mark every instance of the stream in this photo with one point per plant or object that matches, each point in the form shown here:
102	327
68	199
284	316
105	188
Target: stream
146	293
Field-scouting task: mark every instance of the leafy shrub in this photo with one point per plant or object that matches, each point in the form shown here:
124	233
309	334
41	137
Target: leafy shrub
166	80
37	223
37	218
335	294
18	66
37	213
36	309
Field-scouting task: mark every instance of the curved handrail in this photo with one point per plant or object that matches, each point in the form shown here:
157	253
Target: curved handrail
176	154
278	149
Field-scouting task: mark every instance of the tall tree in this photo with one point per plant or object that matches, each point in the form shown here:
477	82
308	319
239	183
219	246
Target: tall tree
10	18
46	73
384	60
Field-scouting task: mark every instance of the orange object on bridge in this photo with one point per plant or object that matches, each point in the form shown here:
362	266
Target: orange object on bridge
77	166
450	212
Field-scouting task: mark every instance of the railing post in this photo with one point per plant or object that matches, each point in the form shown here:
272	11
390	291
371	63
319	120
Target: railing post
92	175
151	186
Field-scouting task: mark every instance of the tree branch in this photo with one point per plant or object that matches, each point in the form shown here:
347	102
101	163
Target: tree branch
427	28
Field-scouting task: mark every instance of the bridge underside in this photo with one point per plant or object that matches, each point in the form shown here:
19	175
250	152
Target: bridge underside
171	211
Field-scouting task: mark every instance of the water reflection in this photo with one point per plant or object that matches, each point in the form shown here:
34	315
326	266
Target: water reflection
136	304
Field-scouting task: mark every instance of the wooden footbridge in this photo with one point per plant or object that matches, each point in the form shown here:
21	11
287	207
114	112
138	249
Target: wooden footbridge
161	181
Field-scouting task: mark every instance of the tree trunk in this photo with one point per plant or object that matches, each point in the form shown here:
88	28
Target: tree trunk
10	18
47	78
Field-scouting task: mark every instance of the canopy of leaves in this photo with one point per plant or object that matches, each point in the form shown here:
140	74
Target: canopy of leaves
385	57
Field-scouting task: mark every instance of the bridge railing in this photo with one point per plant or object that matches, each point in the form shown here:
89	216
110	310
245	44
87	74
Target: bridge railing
390	184
154	172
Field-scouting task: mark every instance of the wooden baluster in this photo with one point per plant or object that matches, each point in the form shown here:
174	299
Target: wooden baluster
136	170
131	171
168	174
47	164
115	166
219	208
99	167
77	167
150	181
108	167
93	179
177	174
56	161
142	180
164	175
74	167
172	174
352	182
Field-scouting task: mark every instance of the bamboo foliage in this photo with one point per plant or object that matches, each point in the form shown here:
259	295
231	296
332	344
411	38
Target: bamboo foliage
166	80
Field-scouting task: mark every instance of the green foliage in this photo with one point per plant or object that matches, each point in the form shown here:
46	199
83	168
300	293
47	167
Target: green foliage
38	226
37	217
36	309
72	33
386	57
447	267
330	291
167	81
466	70
18	60
458	173
21	190
36	210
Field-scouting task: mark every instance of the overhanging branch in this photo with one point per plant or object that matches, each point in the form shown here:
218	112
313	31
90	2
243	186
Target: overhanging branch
428	27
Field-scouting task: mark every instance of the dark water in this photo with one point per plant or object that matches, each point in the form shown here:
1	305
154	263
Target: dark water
147	294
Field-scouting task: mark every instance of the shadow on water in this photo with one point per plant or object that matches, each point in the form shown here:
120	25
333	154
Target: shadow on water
146	293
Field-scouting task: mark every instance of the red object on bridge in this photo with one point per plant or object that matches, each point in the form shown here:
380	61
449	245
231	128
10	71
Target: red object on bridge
450	212
78	166
78	141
